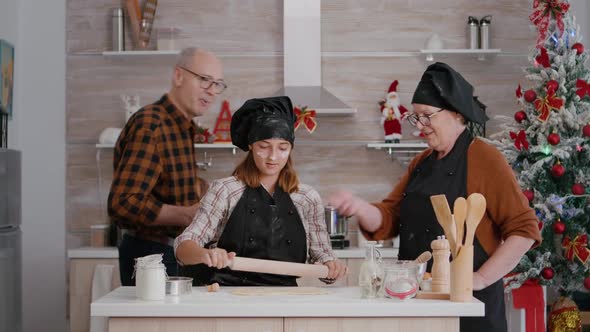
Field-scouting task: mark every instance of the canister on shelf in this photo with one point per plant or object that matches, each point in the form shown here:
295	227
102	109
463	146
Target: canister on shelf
484	31
472	33
118	30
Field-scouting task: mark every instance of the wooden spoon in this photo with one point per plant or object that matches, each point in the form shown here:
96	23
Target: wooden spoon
476	208
423	258
459	213
445	218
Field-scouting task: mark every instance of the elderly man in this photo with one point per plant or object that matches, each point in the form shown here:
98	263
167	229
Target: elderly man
155	191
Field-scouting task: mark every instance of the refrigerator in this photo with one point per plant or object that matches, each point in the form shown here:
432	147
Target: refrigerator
10	241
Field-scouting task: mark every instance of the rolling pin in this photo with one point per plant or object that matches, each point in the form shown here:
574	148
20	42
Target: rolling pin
278	267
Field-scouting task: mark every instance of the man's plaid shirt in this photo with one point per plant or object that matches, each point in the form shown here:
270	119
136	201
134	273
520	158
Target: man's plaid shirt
154	164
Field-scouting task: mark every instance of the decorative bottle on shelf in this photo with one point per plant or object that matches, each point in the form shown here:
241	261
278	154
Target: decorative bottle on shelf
441	267
370	275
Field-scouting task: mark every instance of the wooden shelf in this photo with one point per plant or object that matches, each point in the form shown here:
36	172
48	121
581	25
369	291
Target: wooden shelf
480	53
176	52
197	146
403	152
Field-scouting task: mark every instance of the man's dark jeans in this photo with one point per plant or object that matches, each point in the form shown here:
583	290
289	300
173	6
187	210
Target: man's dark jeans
132	248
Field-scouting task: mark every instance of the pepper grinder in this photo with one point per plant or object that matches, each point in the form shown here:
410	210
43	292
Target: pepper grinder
441	268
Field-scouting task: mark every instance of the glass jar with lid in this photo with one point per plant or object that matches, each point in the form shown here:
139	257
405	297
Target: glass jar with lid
400	280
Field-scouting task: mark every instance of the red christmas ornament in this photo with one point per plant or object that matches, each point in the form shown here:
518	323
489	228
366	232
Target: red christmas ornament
557	170
519	116
547	273
552	85
579	47
530	95
529	194
586	131
558	227
578	189
553	139
587	282
540	225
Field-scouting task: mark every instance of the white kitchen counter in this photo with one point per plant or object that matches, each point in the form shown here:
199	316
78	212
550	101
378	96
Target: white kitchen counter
340	302
112	252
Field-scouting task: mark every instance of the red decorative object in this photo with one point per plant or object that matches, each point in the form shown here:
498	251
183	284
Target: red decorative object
579	47
307	117
529	297
558	227
587	283
578	189
548	273
548	104
520	116
553	139
223	123
520	141
557	170
586	131
529	194
583	88
552	86
518	92
540	224
543	58
543	11
530	95
577	248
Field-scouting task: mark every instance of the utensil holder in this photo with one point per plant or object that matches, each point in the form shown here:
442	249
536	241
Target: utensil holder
462	275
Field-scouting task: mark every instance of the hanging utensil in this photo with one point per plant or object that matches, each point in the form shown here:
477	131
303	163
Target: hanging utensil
476	208
459	213
445	219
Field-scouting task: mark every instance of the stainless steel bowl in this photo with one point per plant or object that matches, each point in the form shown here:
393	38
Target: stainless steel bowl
176	286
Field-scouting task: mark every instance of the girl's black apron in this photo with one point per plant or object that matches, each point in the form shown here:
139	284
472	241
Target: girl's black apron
260	226
419	227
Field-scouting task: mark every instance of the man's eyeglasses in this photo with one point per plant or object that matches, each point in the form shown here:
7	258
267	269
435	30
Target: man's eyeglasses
424	120
208	82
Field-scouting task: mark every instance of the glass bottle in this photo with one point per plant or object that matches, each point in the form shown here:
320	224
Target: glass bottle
370	275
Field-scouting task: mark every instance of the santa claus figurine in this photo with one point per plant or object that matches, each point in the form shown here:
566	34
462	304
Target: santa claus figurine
392	113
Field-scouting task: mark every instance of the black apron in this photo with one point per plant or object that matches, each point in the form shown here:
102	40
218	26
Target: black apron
419	227
260	226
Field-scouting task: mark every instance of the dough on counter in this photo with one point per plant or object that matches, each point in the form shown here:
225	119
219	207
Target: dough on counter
261	291
213	287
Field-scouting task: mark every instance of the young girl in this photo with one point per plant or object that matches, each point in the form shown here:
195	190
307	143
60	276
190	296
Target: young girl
262	211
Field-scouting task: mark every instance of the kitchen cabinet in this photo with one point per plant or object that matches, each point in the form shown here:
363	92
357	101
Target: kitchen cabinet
370	324
80	289
197	325
83	262
339	309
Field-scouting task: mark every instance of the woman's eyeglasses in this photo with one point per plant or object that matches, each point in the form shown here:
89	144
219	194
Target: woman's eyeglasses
424	120
208	82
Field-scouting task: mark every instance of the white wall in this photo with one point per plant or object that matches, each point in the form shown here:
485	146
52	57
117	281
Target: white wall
581	10
37	29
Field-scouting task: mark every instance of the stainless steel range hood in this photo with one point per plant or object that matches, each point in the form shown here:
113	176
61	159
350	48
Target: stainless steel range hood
303	59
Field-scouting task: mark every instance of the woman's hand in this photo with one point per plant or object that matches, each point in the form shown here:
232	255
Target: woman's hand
216	257
336	270
345	202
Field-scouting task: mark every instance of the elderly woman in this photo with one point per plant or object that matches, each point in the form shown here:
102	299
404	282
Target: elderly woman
262	211
456	164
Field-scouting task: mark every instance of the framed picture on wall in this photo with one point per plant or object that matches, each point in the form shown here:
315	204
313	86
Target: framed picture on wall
6	75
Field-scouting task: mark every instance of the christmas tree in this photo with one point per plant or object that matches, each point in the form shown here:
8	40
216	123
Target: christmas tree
548	146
